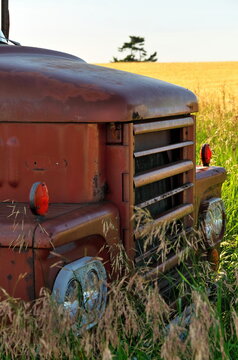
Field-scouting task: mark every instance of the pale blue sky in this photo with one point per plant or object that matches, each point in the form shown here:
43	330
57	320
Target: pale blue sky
179	30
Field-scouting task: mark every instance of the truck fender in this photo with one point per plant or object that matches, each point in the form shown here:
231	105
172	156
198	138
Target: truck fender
92	230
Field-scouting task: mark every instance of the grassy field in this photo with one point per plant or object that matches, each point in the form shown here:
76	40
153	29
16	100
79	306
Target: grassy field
198	77
134	324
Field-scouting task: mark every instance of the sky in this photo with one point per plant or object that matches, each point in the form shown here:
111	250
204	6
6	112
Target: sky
179	30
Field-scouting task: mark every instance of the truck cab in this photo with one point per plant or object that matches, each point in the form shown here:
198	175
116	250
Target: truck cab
108	145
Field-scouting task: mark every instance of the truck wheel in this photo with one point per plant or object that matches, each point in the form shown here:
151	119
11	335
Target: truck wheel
81	288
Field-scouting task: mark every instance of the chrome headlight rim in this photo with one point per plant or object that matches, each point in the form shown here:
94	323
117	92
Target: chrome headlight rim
212	220
84	310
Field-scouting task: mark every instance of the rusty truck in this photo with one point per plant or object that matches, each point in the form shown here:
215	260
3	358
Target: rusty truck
82	146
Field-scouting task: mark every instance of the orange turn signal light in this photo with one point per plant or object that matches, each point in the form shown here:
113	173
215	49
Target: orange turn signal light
39	198
206	154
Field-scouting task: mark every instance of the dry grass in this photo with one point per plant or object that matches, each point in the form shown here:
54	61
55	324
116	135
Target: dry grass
133	327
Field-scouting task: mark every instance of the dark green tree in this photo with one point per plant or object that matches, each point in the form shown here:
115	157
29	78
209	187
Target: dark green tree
137	52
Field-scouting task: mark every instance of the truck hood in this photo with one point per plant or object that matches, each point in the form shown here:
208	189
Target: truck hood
40	85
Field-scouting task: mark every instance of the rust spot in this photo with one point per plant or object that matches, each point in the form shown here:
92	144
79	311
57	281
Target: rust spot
114	133
98	191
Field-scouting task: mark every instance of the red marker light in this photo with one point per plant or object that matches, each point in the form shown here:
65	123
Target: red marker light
39	198
206	154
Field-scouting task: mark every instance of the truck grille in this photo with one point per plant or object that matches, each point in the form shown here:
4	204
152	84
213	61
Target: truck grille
164	171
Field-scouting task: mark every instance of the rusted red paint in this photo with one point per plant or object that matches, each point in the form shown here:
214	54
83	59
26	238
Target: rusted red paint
97	219
17	225
17	273
74	154
41	86
119	176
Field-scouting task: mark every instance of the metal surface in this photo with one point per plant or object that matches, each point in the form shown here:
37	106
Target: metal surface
163	172
69	158
164	180
93	293
163	148
165	195
41	86
163	125
119	175
96	219
17	273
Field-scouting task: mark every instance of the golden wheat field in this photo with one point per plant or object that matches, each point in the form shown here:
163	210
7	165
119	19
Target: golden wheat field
199	77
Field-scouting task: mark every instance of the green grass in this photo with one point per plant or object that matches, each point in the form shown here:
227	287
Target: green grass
217	123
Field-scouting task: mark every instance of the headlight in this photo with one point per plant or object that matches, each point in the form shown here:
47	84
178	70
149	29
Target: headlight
92	292
81	288
73	301
213	220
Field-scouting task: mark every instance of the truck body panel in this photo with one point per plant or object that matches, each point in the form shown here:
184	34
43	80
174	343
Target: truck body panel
58	88
74	154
